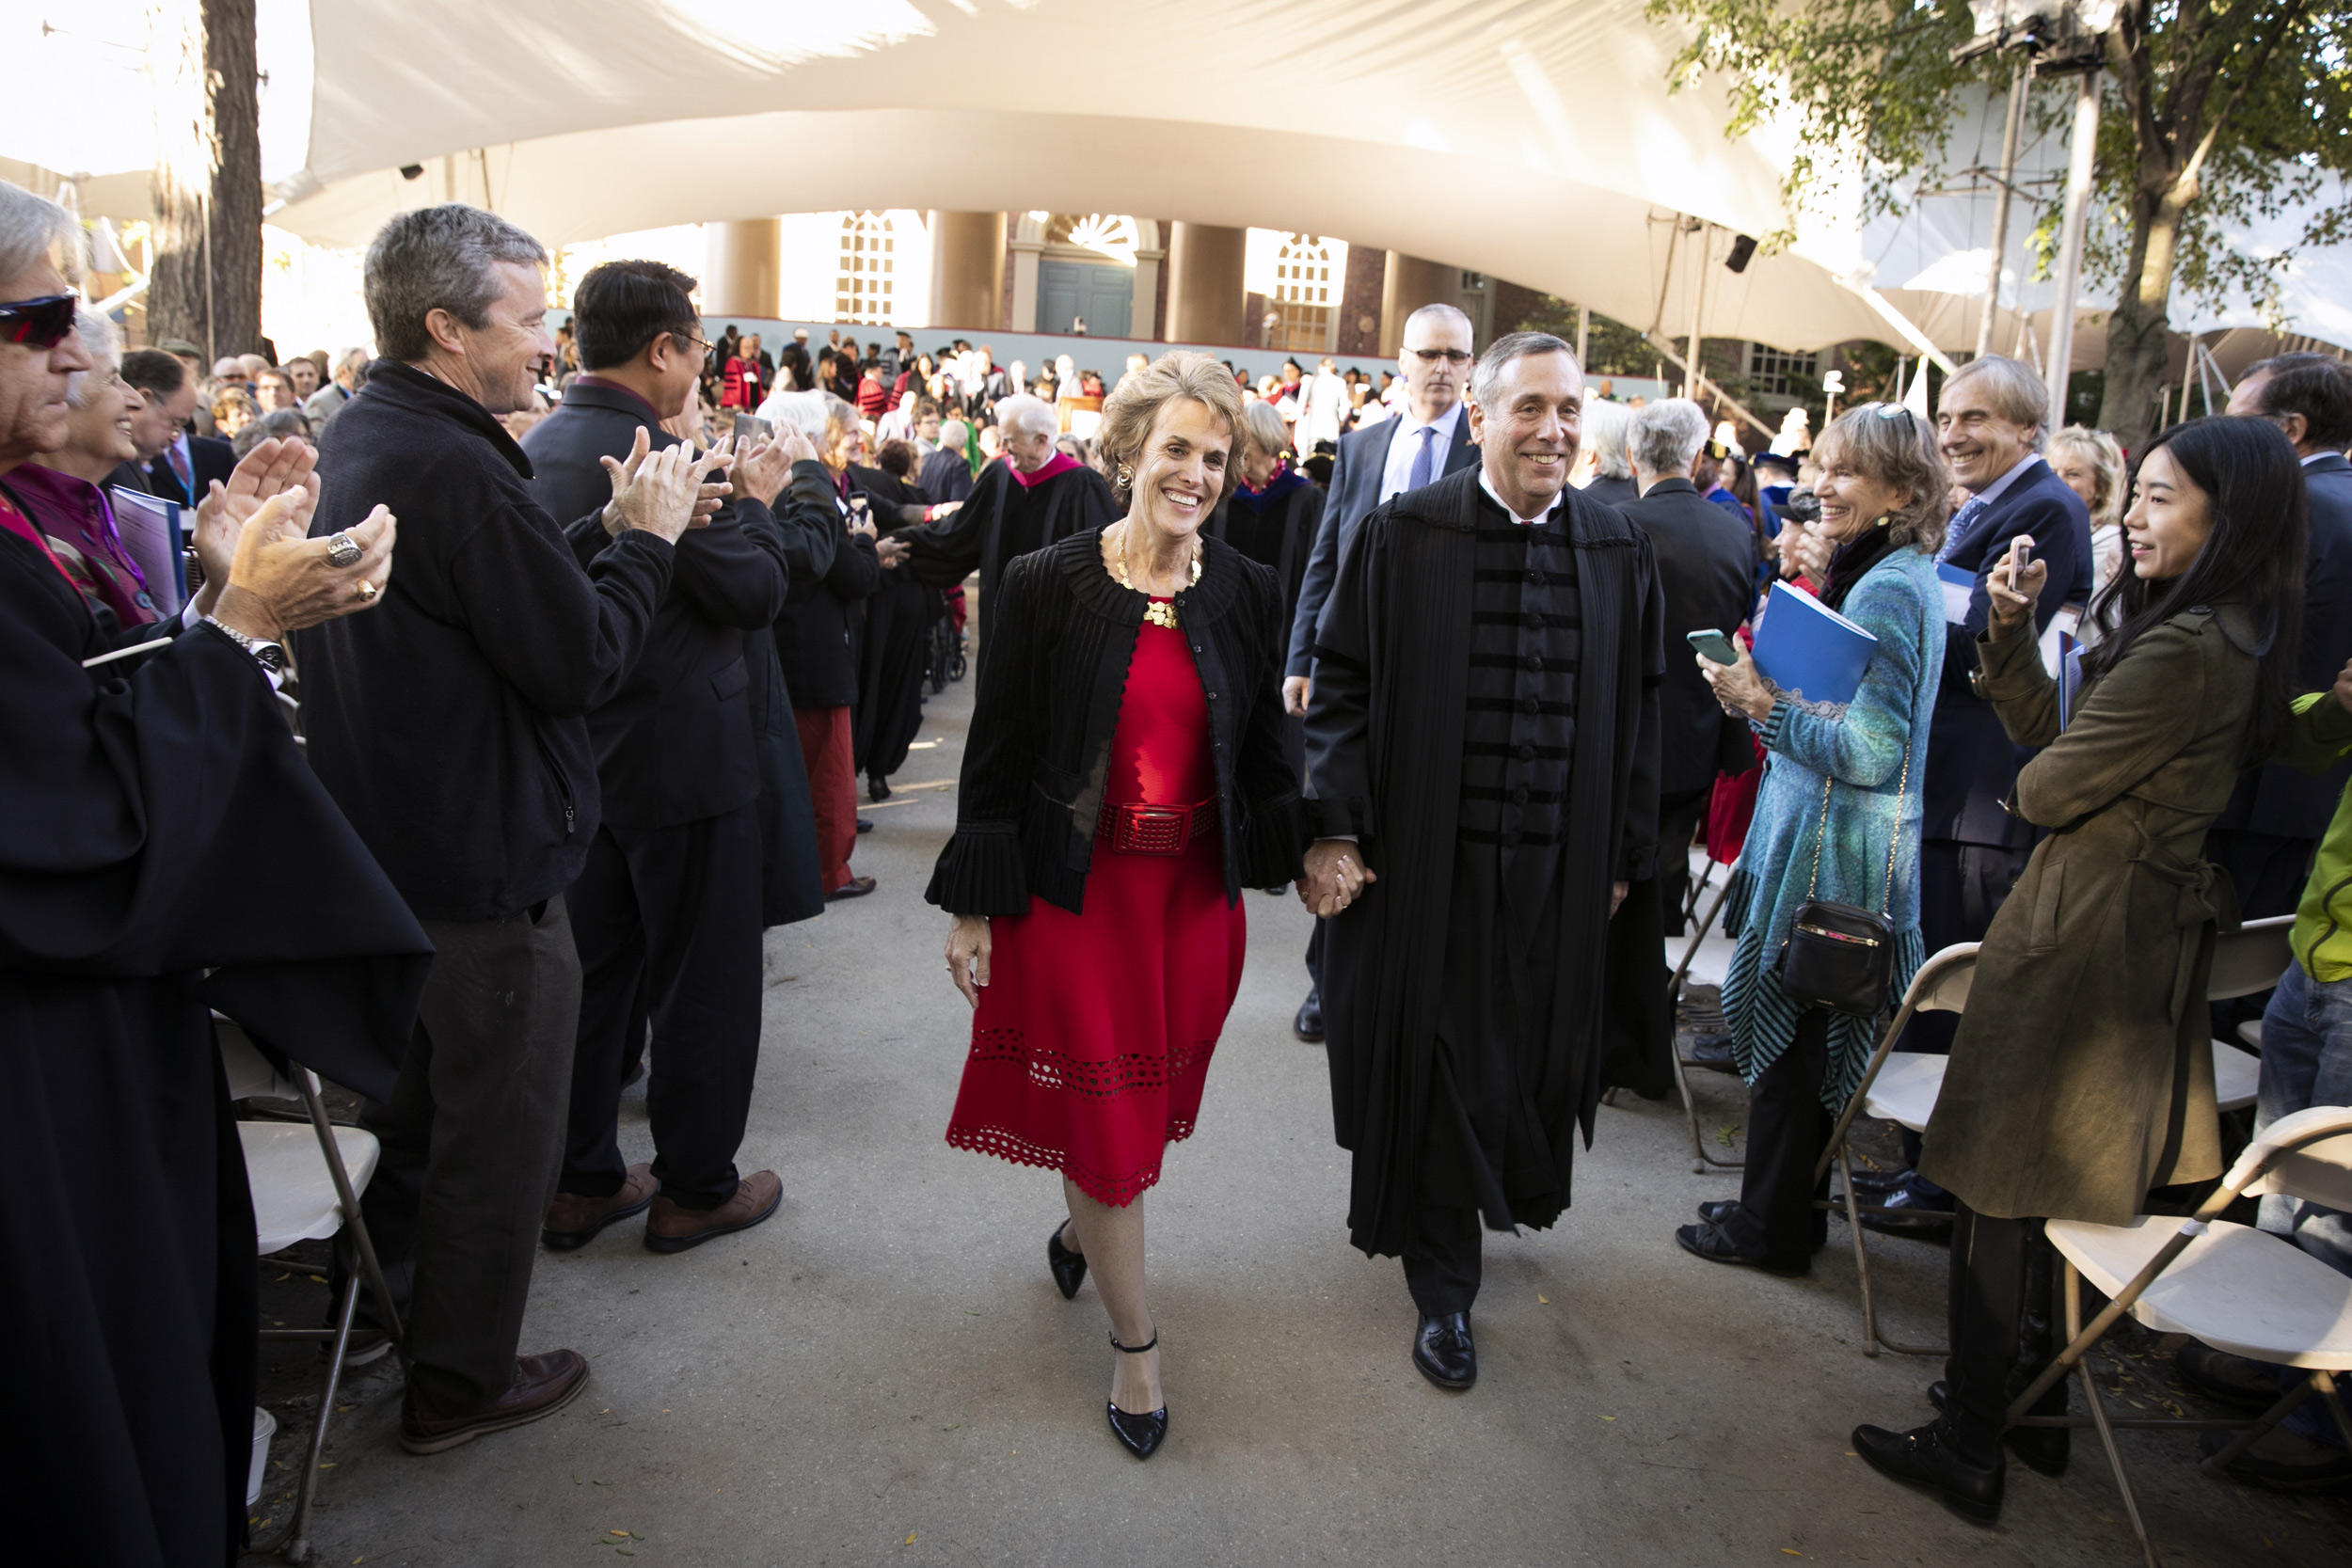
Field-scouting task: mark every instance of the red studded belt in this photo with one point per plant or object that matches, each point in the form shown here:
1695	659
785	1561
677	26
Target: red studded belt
1137	829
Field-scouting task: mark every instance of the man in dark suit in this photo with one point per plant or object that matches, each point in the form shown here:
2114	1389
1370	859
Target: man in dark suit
1706	566
1430	439
174	465
1989	424
668	903
2265	838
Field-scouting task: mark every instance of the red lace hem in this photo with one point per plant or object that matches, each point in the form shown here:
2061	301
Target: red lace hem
1116	1191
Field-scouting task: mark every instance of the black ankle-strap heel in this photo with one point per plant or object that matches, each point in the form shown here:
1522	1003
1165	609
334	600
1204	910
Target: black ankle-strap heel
1140	1436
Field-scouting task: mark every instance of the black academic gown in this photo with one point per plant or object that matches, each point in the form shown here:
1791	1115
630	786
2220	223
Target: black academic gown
897	628
1276	528
1384	762
156	822
1003	519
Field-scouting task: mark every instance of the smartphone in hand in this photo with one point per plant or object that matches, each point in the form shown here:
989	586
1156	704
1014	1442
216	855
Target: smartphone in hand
1714	647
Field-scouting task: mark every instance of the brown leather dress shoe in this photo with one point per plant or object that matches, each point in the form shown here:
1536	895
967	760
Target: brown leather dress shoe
856	887
671	1228
542	1385
574	1218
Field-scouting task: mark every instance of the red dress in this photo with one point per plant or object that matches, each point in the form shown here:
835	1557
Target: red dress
1092	1037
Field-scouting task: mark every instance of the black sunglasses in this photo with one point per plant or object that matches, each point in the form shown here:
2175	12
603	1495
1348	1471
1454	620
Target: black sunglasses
38	323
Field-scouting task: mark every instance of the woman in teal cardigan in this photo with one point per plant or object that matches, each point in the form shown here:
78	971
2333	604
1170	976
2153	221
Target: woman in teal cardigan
1841	792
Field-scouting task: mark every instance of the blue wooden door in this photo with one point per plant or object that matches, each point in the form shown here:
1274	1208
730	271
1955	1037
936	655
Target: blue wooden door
1103	294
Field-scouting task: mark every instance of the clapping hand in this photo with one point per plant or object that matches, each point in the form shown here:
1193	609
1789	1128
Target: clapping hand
2343	688
761	472
2013	593
1809	552
280	580
658	491
273	467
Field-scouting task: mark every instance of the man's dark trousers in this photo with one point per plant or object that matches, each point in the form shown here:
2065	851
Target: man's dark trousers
470	1142
676	911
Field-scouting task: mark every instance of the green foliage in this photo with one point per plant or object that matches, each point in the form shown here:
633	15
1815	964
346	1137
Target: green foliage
1612	348
2260	90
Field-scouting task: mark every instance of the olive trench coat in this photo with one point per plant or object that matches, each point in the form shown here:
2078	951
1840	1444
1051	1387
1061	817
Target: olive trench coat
2082	1072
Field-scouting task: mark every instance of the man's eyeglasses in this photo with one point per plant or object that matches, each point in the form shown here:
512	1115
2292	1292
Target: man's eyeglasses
38	323
1450	356
689	337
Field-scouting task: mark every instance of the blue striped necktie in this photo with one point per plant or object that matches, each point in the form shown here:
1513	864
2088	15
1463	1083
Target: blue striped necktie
1962	520
1424	459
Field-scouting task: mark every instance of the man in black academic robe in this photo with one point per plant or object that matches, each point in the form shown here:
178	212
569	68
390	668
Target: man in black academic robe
1027	500
892	642
163	851
1482	756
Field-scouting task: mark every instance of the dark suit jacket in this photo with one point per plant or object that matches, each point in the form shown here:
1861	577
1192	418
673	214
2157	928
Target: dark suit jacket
2283	800
211	458
812	633
1611	491
675	743
1971	762
1354	490
1705	561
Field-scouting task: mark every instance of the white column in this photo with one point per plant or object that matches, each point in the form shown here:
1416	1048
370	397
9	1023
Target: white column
1143	319
1024	257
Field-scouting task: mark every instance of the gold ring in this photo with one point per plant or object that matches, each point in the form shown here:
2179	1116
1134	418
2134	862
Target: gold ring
367	588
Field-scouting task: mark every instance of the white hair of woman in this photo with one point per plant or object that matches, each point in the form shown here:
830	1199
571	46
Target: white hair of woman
105	342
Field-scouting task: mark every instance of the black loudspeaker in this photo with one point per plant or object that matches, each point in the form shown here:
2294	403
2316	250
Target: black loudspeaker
1741	249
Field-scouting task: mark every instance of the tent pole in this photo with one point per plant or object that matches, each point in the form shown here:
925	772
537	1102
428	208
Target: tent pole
2000	209
1584	332
2083	151
1698	309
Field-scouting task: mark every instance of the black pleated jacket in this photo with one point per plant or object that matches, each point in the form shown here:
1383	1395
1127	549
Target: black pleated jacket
1031	790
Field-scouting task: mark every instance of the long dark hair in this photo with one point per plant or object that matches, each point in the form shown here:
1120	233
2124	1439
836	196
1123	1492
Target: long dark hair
2253	487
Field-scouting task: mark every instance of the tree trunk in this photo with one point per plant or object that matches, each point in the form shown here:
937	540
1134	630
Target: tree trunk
206	282
2139	332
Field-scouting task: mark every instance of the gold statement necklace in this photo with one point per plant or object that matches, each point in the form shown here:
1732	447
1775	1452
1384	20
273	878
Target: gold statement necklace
1158	614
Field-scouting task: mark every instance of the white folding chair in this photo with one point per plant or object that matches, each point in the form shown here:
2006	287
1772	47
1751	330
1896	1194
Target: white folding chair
1700	1159
306	1184
2230	1285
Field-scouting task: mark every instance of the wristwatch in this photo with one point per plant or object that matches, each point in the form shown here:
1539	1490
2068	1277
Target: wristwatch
269	656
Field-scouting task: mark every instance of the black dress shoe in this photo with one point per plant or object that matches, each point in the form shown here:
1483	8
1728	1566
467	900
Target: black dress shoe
1442	1350
865	824
1140	1436
1717	1210
1877	1183
2230	1380
1308	1025
1924	1457
877	787
1707	1240
856	887
1712	1051
1916	1216
2043	1449
2281	1461
1070	1268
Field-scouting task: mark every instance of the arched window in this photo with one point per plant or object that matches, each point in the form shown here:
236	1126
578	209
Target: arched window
862	288
1303	305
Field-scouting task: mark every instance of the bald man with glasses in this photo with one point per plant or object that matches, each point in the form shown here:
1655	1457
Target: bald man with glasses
1428	441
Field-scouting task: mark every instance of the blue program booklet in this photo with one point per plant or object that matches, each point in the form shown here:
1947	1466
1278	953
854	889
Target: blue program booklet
1959	589
1810	651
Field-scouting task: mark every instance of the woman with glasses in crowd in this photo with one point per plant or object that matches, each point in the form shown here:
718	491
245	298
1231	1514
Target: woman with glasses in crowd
2081	1074
1837	818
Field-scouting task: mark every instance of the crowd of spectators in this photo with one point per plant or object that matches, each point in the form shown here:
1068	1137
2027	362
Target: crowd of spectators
621	528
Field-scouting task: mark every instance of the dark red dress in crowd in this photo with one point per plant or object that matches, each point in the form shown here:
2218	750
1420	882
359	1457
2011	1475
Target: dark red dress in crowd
1092	1037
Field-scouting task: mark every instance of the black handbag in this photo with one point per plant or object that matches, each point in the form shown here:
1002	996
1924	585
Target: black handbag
1839	956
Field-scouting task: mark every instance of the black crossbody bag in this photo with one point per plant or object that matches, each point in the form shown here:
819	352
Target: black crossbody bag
1840	955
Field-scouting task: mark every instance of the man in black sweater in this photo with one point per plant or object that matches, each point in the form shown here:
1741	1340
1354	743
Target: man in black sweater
449	727
1706	568
666	913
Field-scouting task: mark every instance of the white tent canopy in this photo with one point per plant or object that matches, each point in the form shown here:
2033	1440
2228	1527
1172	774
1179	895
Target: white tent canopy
1533	143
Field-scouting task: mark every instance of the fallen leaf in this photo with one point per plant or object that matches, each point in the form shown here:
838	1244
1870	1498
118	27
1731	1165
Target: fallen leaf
1608	1418
327	1464
1542	1299
620	1532
1790	1551
909	1541
2102	1518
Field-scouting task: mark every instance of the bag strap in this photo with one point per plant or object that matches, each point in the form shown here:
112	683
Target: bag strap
1886	899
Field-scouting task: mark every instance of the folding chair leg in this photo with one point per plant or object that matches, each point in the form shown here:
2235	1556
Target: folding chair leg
2219	1465
293	1543
2099	1416
1871	1338
1700	1159
2326	1383
355	1224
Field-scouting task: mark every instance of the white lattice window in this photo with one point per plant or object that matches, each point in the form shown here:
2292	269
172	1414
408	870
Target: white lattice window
1776	372
1303	305
862	288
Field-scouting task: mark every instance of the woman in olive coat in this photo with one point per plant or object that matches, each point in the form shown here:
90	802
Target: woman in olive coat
2082	1074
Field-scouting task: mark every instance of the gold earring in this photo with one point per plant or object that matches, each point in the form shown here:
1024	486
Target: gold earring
1127	477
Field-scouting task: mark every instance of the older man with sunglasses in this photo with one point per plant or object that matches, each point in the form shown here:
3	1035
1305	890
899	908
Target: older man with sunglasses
164	852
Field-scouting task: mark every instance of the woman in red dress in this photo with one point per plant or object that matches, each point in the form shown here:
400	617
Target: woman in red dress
1125	780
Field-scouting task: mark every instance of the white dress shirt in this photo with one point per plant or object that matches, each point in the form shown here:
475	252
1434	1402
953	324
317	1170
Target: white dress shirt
1405	443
